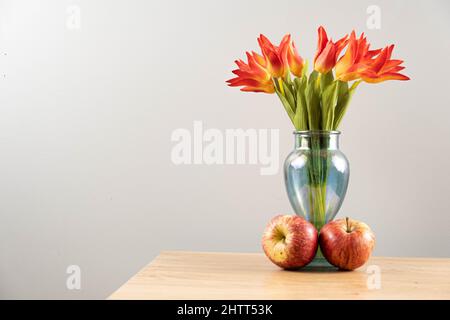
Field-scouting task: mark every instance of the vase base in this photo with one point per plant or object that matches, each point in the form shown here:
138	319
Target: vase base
320	262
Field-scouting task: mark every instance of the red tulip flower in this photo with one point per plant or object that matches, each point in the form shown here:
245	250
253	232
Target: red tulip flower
356	59
327	51
371	66
382	68
259	73
253	76
274	56
291	57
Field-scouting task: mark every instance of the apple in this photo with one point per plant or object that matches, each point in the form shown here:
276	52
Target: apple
346	243
290	241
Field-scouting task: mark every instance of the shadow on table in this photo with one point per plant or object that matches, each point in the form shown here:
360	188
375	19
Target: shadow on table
309	269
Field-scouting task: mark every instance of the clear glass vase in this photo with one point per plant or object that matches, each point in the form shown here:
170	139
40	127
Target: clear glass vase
316	174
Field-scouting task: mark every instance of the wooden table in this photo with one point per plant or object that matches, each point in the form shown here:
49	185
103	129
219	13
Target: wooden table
201	275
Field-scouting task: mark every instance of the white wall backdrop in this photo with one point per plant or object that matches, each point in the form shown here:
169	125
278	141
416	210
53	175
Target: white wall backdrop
91	91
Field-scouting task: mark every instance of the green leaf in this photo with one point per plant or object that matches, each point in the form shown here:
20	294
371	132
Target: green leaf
301	112
313	77
342	100
286	106
297	82
325	80
343	88
289	94
313	105
305	68
287	78
300	84
344	97
355	85
329	101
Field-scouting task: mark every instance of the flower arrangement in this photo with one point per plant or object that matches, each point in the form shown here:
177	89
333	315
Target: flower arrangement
317	101
316	172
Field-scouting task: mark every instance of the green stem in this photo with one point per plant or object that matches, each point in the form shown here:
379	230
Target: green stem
318	171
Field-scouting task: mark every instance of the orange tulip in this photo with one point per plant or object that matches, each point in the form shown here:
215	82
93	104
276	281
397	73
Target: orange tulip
273	56
382	68
372	66
259	73
357	57
252	76
327	51
291	57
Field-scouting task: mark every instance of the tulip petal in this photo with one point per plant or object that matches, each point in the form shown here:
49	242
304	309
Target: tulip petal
384	77
322	41
274	61
327	51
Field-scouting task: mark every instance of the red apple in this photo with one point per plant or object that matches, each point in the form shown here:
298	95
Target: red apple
346	243
290	241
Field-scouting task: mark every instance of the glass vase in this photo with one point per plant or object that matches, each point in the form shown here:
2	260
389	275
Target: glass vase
316	175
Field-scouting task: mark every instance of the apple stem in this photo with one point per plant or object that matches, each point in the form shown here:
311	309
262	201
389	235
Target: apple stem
346	221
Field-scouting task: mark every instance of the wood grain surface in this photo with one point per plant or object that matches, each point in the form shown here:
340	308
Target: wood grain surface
207	275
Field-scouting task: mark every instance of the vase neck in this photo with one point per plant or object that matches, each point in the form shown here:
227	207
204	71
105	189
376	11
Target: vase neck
317	140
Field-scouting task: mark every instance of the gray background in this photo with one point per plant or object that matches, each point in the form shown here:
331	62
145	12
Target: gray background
87	114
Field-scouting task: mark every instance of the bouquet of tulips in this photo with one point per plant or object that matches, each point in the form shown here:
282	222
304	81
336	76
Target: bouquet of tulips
317	101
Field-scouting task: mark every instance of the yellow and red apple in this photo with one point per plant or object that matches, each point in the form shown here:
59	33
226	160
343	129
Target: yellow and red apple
346	243
290	241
